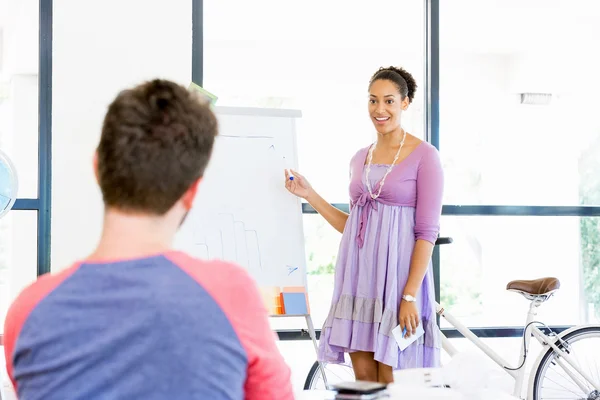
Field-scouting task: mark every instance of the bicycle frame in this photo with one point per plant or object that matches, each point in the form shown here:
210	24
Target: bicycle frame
518	373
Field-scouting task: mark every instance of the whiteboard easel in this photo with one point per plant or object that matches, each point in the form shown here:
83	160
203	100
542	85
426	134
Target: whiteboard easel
243	213
313	337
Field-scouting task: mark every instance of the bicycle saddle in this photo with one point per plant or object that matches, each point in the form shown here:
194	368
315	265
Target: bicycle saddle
535	287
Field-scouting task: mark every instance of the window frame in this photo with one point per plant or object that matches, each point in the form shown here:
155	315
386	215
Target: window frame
432	135
42	204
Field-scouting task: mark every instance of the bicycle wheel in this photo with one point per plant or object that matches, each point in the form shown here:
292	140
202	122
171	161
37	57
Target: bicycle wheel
551	380
334	372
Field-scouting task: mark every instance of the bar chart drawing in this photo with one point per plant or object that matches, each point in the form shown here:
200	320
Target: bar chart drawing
242	212
236	243
202	250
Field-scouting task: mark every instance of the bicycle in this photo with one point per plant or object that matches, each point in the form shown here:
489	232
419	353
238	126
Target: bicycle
558	350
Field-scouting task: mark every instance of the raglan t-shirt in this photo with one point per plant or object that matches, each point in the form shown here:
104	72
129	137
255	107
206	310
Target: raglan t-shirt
163	327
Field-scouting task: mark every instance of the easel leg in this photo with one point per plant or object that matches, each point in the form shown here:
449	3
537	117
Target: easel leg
313	336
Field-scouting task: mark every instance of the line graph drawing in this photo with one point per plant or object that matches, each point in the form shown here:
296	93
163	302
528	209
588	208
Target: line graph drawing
202	248
233	242
244	214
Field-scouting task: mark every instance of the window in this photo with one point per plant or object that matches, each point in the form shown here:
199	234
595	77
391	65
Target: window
19	21
517	128
113	49
488	252
317	57
19	49
18	256
518	119
322	244
301	60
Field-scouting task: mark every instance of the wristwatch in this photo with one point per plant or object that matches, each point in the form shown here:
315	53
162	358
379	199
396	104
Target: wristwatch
409	298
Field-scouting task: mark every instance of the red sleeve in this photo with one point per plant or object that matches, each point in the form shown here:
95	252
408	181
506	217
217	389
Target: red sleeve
430	188
22	307
268	376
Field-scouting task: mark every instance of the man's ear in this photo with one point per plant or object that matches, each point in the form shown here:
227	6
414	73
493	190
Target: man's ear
190	195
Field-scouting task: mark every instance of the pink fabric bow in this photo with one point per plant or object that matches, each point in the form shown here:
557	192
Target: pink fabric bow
367	203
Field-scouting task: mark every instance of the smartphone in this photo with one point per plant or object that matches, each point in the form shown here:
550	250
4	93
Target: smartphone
358	390
359	396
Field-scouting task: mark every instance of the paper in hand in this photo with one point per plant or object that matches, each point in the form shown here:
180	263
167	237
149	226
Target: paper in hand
404	342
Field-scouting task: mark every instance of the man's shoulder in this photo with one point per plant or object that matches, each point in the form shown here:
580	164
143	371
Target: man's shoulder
212	272
31	295
27	300
229	285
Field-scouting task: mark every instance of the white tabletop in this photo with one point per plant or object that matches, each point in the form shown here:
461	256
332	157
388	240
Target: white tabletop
415	393
408	393
315	395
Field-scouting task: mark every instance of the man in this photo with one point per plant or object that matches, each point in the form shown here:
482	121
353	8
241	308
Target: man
137	320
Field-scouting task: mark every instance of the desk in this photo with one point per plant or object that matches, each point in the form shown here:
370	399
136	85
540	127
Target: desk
315	395
408	393
413	393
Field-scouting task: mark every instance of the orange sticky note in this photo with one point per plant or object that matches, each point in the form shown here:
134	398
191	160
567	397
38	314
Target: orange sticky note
271	296
294	289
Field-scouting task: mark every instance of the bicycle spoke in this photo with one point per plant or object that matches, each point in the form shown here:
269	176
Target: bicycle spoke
567	378
565	390
563	398
597	370
335	373
557	379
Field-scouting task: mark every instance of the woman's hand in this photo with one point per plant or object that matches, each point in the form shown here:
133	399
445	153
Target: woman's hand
408	317
298	185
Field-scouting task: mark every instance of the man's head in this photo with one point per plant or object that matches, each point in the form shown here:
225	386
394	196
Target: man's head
156	142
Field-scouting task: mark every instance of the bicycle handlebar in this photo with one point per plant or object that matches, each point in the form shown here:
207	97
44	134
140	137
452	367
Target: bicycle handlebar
443	240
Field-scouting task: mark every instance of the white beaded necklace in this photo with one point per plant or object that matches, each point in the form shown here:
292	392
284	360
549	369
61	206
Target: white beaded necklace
368	171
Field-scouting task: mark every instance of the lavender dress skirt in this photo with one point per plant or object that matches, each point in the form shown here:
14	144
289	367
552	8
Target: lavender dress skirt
369	283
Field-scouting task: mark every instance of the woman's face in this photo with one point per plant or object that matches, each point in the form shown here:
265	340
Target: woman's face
386	106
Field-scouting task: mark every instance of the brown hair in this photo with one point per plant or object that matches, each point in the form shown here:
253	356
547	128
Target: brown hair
404	81
157	139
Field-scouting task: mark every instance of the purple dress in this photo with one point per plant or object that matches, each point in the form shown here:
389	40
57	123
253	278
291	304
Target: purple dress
374	258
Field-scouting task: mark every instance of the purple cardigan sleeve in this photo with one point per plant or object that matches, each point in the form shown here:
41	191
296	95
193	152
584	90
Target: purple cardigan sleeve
430	188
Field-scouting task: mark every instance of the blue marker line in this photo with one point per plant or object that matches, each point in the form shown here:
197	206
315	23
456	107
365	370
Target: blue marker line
291	270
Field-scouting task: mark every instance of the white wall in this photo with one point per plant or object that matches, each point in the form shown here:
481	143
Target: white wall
18	89
99	49
18	139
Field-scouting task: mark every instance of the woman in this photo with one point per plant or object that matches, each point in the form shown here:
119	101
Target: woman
383	275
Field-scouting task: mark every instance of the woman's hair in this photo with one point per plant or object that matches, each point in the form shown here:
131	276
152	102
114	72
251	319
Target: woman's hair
404	81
